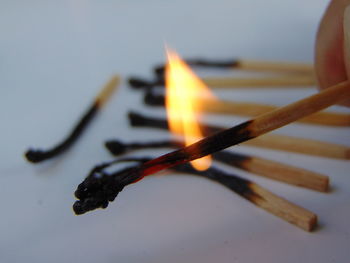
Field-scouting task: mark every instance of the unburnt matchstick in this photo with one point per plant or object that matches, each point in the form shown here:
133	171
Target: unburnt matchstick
244	64
38	155
260	166
249	109
100	187
270	141
94	196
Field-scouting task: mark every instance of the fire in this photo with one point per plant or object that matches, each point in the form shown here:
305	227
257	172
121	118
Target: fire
183	89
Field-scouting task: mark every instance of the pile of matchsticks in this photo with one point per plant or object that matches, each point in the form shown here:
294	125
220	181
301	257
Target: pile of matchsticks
101	186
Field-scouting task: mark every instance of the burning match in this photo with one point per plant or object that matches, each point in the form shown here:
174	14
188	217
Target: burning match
99	187
260	166
90	198
269	141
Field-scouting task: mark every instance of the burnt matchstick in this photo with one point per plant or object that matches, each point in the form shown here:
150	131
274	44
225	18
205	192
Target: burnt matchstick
37	155
270	141
243	64
247	130
213	144
260	166
299	81
221	64
252	110
100	187
139	83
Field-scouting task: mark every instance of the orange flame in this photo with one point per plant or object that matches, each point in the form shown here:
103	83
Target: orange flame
183	89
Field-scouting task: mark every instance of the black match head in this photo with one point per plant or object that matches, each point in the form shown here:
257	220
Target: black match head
159	71
153	100
81	207
99	187
116	147
138	83
35	156
136	119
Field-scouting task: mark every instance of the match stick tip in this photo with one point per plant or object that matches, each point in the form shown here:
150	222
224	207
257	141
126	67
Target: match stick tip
136	119
81	208
115	147
153	100
313	223
347	154
138	83
35	156
77	208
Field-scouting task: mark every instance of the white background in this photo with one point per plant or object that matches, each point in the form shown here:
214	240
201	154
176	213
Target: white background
54	57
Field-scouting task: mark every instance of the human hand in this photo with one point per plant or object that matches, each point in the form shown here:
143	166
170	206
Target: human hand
332	54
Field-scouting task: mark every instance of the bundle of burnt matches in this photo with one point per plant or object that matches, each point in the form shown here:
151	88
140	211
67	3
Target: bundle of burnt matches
101	186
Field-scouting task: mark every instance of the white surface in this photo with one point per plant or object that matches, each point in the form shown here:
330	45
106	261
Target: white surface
54	56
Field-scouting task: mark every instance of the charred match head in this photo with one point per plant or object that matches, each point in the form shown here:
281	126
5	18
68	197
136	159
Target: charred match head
138	83
152	99
116	147
100	187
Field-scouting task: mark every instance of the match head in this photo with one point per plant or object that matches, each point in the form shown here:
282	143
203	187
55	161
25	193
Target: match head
136	119
99	188
80	208
159	71
116	147
138	83
153	100
35	156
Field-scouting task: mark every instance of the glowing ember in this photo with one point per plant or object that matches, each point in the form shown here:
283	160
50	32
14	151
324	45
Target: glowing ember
183	89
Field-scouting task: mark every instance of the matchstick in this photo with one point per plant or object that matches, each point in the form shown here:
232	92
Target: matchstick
259	196
259	166
38	155
254	109
100	187
274	66
287	80
249	65
245	131
269	141
234	82
301	145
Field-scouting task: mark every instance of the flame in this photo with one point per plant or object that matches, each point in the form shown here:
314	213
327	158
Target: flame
183	89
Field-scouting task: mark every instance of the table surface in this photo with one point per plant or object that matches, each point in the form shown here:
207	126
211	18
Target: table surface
54	56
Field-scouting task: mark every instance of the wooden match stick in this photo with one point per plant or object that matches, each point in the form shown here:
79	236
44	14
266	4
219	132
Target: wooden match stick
275	170
254	109
271	82
301	145
37	155
259	196
276	205
100	187
274	66
247	130
299	81
95	197
249	65
270	141
260	166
